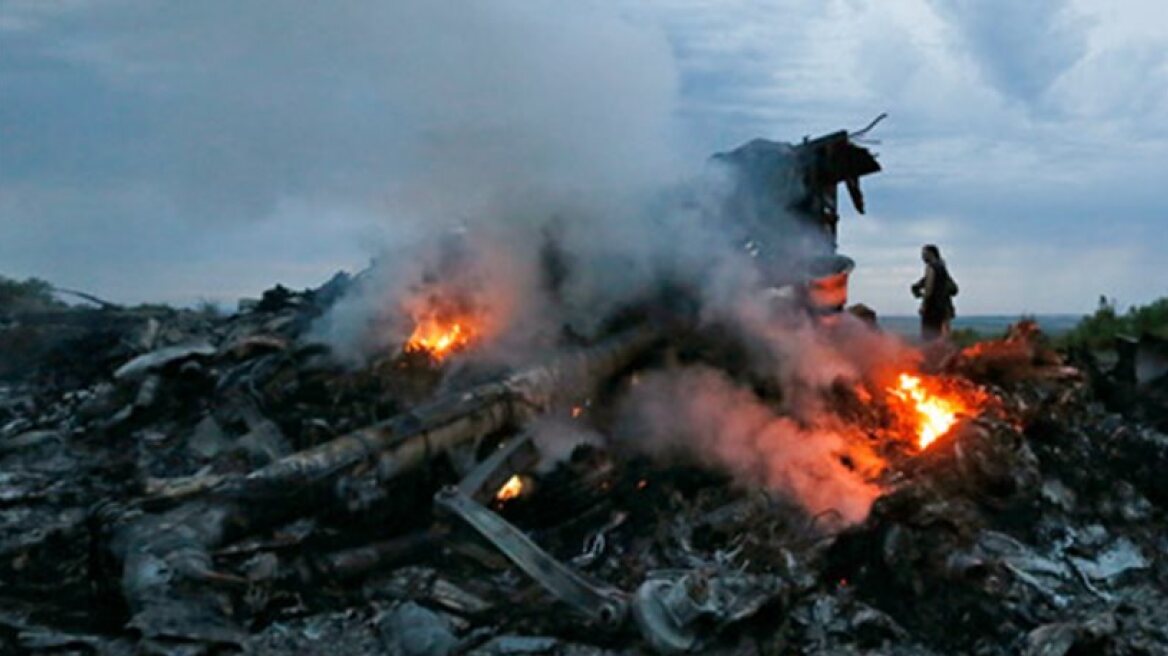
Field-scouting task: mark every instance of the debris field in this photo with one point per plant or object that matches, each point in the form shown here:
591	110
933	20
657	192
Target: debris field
177	482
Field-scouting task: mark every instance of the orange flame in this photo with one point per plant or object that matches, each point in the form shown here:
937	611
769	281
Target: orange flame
511	489
438	338
929	408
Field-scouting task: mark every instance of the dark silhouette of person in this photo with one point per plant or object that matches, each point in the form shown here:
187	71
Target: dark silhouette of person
936	291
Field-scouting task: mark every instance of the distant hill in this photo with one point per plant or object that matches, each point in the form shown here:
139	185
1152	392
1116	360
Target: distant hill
986	324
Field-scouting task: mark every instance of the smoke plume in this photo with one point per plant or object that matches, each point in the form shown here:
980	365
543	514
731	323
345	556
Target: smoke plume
540	186
700	413
523	136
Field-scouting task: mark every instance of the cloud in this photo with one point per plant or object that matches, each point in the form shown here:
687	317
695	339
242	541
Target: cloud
138	123
1013	127
1020	47
215	113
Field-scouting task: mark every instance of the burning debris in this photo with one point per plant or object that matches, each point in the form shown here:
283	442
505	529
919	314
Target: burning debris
930	407
511	489
443	324
782	478
437	339
1018	525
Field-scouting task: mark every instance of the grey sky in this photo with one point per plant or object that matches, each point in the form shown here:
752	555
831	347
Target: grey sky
209	149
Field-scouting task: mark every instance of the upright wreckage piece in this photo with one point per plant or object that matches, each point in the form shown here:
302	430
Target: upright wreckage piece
167	577
786	198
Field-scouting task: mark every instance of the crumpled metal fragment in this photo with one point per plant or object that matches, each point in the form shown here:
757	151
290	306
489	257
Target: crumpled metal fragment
675	609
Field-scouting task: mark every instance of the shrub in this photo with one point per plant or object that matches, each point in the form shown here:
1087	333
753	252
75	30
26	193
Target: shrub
1099	330
28	295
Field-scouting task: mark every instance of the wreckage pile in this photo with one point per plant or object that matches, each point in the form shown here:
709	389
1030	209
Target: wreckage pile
174	482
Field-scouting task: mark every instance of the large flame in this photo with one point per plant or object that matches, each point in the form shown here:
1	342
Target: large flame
439	338
930	408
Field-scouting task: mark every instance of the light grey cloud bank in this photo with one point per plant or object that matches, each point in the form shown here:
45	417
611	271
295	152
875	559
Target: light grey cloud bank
178	150
133	127
1024	138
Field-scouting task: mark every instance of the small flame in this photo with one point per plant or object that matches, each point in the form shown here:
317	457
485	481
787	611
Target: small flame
932	411
438	338
511	489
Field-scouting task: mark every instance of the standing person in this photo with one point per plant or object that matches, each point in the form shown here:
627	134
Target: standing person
936	291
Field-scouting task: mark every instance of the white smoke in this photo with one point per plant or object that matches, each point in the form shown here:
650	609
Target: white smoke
807	359
522	122
556	438
542	183
700	413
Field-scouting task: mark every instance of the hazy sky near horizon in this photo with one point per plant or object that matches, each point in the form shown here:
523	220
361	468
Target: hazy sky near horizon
181	151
